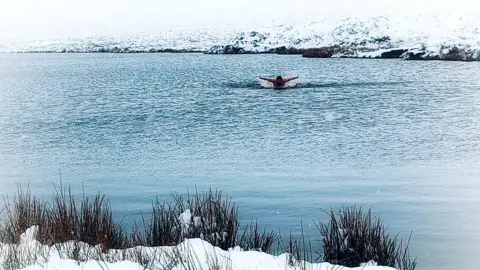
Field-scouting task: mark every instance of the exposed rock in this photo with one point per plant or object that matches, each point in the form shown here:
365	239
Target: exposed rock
228	49
393	54
323	52
232	49
413	55
446	53
285	50
175	51
383	39
459	54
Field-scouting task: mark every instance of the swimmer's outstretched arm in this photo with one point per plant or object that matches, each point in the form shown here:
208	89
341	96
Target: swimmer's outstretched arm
266	79
291	79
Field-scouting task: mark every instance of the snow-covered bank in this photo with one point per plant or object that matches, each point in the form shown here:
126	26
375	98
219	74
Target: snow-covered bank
29	254
419	37
199	230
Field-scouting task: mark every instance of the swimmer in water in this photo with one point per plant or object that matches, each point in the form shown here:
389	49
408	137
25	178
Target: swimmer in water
279	82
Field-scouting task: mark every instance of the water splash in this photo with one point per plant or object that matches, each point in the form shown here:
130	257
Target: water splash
305	85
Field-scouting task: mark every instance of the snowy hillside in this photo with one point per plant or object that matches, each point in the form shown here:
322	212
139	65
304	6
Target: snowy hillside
429	36
184	40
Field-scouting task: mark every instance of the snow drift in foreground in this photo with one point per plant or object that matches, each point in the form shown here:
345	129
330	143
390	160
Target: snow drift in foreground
190	254
426	36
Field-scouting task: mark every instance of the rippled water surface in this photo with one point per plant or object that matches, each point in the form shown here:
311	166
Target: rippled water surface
400	137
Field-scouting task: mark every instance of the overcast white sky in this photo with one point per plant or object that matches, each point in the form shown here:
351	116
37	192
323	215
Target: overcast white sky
39	17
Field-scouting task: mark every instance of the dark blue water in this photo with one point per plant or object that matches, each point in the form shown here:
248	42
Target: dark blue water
400	137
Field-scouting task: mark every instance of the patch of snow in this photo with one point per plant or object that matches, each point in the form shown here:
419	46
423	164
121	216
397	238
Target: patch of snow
197	222
185	220
369	263
194	254
29	235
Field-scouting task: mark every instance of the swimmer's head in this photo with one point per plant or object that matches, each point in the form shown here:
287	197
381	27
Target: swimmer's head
279	78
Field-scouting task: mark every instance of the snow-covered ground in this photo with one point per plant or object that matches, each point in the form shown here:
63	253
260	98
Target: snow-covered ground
361	36
190	254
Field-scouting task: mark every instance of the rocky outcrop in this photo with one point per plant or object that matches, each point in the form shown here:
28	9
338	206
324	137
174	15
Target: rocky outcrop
239	44
256	42
231	49
445	53
228	49
174	51
415	55
393	54
285	50
322	52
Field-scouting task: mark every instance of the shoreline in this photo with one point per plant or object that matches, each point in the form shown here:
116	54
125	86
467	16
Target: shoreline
414	54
